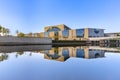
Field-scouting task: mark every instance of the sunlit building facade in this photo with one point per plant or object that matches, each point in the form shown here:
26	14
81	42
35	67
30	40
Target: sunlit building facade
63	32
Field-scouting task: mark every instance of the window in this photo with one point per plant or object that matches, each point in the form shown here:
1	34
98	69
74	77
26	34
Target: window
80	53
96	31
80	32
65	52
65	33
53	29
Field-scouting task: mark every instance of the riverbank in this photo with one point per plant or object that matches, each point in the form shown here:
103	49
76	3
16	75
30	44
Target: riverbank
11	41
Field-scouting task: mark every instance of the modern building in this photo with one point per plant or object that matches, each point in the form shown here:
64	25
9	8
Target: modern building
63	32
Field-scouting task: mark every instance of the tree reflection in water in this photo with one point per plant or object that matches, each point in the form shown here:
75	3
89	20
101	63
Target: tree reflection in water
3	57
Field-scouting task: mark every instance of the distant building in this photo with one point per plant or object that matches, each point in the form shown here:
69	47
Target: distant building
63	32
112	34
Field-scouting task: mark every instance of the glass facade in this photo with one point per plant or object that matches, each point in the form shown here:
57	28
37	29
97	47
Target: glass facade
65	33
65	52
54	29
80	53
80	32
96	31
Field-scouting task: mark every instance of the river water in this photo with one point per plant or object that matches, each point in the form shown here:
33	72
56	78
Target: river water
45	62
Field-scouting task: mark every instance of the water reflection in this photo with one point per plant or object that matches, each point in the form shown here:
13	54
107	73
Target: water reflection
59	63
57	53
20	50
63	53
3	57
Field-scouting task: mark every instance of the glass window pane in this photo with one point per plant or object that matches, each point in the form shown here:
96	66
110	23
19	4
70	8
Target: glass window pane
80	53
80	32
65	52
54	29
65	33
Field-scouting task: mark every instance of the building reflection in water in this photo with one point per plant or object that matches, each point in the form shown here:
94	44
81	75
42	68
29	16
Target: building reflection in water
63	53
57	53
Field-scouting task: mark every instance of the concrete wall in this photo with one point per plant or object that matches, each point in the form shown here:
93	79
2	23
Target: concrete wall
36	34
86	33
52	35
20	40
42	34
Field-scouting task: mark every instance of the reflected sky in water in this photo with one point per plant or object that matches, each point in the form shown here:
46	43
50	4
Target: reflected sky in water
33	65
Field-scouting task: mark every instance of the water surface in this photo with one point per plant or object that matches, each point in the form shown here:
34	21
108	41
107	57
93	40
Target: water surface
59	63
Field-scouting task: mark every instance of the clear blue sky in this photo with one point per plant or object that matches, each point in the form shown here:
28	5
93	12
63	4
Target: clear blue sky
33	15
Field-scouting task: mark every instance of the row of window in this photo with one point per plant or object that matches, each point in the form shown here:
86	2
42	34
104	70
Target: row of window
65	33
79	33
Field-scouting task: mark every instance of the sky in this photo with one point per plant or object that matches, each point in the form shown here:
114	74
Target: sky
33	15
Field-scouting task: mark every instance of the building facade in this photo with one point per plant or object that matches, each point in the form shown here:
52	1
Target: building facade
62	32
